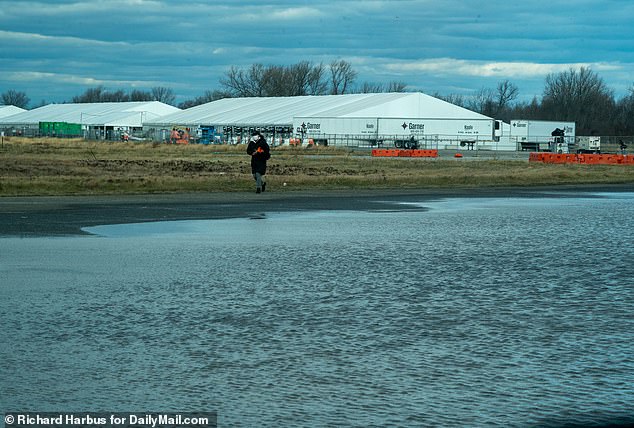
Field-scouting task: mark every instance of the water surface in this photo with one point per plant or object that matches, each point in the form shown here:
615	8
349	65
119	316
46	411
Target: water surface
476	312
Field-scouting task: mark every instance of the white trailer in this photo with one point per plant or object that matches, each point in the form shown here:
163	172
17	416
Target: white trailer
503	136
429	133
537	135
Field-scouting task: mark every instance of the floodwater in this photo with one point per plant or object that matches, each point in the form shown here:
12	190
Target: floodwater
468	312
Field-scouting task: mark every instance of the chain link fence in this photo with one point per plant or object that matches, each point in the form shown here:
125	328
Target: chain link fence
280	137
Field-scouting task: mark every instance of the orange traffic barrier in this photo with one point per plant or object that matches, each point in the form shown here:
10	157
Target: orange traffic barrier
582	158
405	153
384	152
420	153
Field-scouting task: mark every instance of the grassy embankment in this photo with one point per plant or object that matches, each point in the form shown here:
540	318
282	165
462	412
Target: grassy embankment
73	167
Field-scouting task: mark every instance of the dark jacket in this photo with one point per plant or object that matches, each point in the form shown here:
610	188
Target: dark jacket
260	152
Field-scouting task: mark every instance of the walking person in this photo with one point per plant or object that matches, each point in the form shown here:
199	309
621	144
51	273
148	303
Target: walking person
260	153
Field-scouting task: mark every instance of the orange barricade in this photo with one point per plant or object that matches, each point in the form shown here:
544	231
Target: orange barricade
424	153
603	159
589	159
547	158
384	152
405	153
582	158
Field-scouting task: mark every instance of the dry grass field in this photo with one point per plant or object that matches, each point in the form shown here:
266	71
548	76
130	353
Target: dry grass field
77	167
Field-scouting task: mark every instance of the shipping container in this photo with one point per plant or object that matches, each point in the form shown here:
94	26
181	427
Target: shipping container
60	129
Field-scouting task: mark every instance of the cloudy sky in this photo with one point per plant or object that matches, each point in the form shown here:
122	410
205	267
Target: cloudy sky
54	50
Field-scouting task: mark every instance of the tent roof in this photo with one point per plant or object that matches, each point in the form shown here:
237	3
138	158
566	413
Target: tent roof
97	114
9	110
282	110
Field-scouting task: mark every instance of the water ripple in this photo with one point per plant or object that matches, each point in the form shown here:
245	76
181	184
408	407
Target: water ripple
472	313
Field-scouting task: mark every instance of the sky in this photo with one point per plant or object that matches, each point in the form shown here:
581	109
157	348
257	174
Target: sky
55	50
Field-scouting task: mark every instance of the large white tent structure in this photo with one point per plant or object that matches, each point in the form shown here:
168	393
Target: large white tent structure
95	120
9	110
354	119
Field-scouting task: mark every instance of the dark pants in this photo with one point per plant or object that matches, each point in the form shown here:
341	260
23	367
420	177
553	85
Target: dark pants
259	180
258	169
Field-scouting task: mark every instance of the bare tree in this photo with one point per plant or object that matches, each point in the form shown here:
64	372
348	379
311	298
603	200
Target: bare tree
91	95
163	94
297	76
370	88
302	78
525	110
245	83
100	95
483	102
317	83
396	86
580	96
506	93
207	97
276	81
138	95
493	103
341	77
376	88
623	123
457	99
117	96
305	78
15	98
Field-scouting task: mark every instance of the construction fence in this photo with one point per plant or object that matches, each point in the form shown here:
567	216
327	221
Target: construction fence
281	137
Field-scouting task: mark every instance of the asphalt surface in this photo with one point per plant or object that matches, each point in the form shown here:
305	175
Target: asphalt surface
66	215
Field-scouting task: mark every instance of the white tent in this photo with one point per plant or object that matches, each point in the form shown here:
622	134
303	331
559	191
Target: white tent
232	119
104	117
280	111
9	110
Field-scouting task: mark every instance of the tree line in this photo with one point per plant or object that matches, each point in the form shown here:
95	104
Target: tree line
576	95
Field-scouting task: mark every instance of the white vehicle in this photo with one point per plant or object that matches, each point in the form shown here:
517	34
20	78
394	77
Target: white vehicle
588	144
543	136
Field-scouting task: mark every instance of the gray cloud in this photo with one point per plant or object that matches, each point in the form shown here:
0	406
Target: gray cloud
53	50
